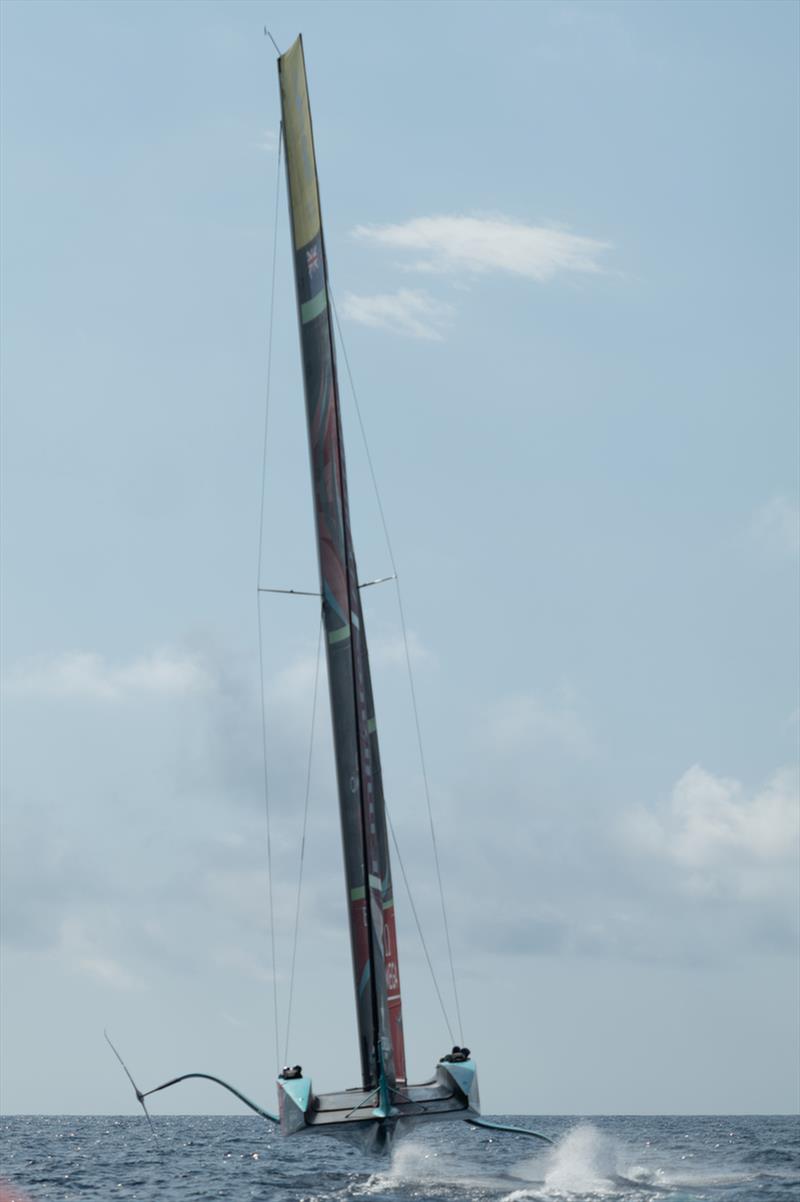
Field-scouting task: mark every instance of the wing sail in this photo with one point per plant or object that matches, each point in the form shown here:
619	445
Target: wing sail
361	802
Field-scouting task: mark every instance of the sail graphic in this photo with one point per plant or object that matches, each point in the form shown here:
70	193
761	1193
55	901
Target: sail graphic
361	802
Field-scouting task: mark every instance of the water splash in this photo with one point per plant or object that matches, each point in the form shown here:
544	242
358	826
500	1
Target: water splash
411	1164
421	1171
583	1164
413	1160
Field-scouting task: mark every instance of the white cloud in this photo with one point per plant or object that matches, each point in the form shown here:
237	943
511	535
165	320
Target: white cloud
721	840
776	526
411	312
87	674
452	243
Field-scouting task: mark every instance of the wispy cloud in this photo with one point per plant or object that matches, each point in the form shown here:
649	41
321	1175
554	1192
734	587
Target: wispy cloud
523	719
389	651
411	312
475	244
268	141
776	526
80	950
87	674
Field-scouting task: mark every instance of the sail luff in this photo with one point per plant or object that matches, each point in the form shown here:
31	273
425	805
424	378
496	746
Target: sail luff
361	803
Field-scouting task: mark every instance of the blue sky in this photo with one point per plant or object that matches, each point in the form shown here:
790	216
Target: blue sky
563	246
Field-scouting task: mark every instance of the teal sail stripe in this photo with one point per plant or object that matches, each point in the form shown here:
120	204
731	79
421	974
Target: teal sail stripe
312	308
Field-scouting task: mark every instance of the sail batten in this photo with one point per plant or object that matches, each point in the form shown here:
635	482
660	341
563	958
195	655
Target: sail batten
361	801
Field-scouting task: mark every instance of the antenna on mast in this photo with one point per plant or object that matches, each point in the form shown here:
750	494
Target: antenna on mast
271	38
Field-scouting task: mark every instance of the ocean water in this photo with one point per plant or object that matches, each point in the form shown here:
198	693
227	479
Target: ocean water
614	1159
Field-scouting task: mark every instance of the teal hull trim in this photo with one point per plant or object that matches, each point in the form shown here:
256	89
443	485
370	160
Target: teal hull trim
265	1114
476	1122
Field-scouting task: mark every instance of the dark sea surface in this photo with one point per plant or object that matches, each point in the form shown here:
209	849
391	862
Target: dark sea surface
617	1159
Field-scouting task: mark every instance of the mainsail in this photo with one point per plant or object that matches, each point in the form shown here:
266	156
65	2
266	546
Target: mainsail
361	802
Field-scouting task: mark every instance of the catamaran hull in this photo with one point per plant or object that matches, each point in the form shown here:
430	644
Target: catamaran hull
353	1114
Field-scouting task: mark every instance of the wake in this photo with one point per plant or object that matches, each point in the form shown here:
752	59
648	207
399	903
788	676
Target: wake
585	1165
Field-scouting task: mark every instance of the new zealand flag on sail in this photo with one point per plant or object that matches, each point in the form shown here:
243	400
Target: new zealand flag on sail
310	274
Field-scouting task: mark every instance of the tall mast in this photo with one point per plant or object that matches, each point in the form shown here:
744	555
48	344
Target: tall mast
363	816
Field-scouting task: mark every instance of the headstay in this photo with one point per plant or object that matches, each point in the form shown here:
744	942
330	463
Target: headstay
361	802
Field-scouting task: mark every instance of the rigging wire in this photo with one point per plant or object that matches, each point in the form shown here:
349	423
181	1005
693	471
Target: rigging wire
412	689
270	897
419	926
303	839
